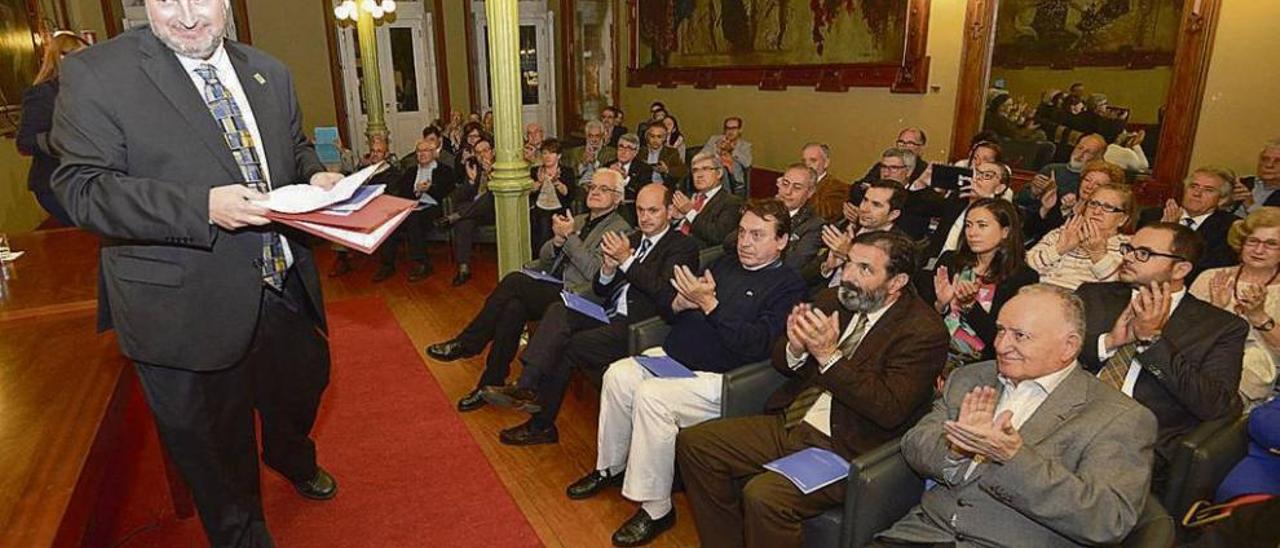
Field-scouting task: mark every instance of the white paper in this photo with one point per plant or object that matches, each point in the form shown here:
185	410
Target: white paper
11	256
306	197
358	239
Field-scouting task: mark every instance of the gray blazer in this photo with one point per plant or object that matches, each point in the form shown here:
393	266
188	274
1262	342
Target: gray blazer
582	254
1081	477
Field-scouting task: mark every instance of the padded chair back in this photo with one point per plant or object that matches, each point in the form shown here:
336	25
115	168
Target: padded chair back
882	488
646	334
708	255
1203	458
744	390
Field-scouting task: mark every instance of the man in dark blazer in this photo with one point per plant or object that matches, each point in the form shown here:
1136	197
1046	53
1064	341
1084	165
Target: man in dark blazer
634	284
635	173
711	214
162	130
1203	192
862	360
665	162
428	182
1185	354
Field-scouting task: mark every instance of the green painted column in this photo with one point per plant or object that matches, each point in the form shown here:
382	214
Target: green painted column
371	80
510	184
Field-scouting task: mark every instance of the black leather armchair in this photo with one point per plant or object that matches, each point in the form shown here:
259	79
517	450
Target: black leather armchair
1203	458
708	255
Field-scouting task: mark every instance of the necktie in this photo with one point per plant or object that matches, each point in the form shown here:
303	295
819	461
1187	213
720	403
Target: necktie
620	293
799	407
236	133
1191	223
1116	369
698	201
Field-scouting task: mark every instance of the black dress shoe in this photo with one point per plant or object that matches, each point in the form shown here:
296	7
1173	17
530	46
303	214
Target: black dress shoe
321	487
471	401
461	277
420	272
528	434
642	529
447	351
520	399
592	483
384	271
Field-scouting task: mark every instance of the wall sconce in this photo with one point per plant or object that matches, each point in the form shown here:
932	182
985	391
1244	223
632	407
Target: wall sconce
350	9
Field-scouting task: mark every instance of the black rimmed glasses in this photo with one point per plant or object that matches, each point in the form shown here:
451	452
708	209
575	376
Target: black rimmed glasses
1109	208
1142	254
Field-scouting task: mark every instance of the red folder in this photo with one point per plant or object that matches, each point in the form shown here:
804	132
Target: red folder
365	219
366	236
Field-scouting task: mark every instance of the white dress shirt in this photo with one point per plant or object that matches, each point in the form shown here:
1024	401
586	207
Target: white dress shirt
819	416
693	213
1024	399
1135	368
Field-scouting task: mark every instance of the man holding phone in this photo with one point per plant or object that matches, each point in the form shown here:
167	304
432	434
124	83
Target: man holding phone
1249	193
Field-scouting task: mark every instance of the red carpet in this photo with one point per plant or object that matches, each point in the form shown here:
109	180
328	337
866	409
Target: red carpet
409	472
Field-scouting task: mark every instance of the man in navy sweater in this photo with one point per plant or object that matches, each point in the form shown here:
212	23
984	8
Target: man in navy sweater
725	318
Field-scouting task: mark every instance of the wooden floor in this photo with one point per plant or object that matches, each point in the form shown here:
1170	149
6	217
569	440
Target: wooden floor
431	311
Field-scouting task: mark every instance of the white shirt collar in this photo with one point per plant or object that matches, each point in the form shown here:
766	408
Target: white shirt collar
1199	219
1046	383
653	240
712	193
219	59
428	168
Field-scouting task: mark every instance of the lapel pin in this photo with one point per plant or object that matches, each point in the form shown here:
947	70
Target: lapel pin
260	79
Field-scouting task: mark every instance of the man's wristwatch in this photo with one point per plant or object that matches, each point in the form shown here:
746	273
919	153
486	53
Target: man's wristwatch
1267	325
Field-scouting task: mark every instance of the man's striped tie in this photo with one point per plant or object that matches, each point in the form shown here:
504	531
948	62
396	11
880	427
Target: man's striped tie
1116	369
799	407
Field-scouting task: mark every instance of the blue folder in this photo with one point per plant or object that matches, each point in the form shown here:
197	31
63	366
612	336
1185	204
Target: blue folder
541	276
811	469
583	306
664	367
327	145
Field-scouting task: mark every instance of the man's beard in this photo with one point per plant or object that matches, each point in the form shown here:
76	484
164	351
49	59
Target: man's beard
858	300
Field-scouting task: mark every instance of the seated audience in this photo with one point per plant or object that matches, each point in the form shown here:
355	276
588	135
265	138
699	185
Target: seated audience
379	151
911	140
472	205
675	139
1064	178
895	165
734	154
861	360
572	255
879	211
634	284
1008	119
1253	192
552	192
533	137
1203	192
611	117
635	173
972	283
429	183
1170	351
666	163
1087	247
594	154
710	216
829	197
795	189
725	318
1053	209
1031	450
1251	291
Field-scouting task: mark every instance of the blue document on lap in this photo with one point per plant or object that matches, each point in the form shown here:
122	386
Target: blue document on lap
811	469
584	306
541	276
664	367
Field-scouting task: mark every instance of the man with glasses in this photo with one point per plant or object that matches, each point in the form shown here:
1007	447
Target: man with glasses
911	140
1204	192
733	153
709	215
635	173
1147	337
667	165
572	256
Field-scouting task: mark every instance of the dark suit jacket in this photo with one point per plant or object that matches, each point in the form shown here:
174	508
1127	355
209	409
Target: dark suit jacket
885	386
717	220
33	133
651	291
1214	229
803	245
1190	375
982	321
140	152
638	175
443	181
676	170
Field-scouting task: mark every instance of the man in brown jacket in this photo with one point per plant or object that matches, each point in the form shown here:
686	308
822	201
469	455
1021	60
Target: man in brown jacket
828	200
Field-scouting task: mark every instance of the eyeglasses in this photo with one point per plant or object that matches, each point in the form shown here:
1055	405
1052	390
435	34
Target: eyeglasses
1269	245
1104	206
1201	189
1142	254
785	183
887	166
987	175
727	128
602	188
704	169
906	143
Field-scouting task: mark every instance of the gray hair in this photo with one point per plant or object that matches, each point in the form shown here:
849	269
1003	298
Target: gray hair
614	178
812	176
705	156
826	150
594	124
630	138
908	157
1226	178
1071	306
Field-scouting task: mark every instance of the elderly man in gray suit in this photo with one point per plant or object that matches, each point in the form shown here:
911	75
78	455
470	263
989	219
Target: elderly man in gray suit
1032	451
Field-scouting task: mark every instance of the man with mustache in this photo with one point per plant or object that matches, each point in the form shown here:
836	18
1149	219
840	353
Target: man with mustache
170	137
862	362
1065	175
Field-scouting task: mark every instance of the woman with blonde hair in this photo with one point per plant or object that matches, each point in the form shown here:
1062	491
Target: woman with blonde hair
37	121
1087	247
1252	291
1054	210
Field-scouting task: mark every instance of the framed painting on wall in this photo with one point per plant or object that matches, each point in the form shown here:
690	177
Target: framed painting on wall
829	44
1067	33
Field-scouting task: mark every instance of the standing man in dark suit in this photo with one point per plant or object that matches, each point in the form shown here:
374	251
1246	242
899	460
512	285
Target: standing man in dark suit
634	284
428	182
862	362
1203	192
169	136
1147	337
710	216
